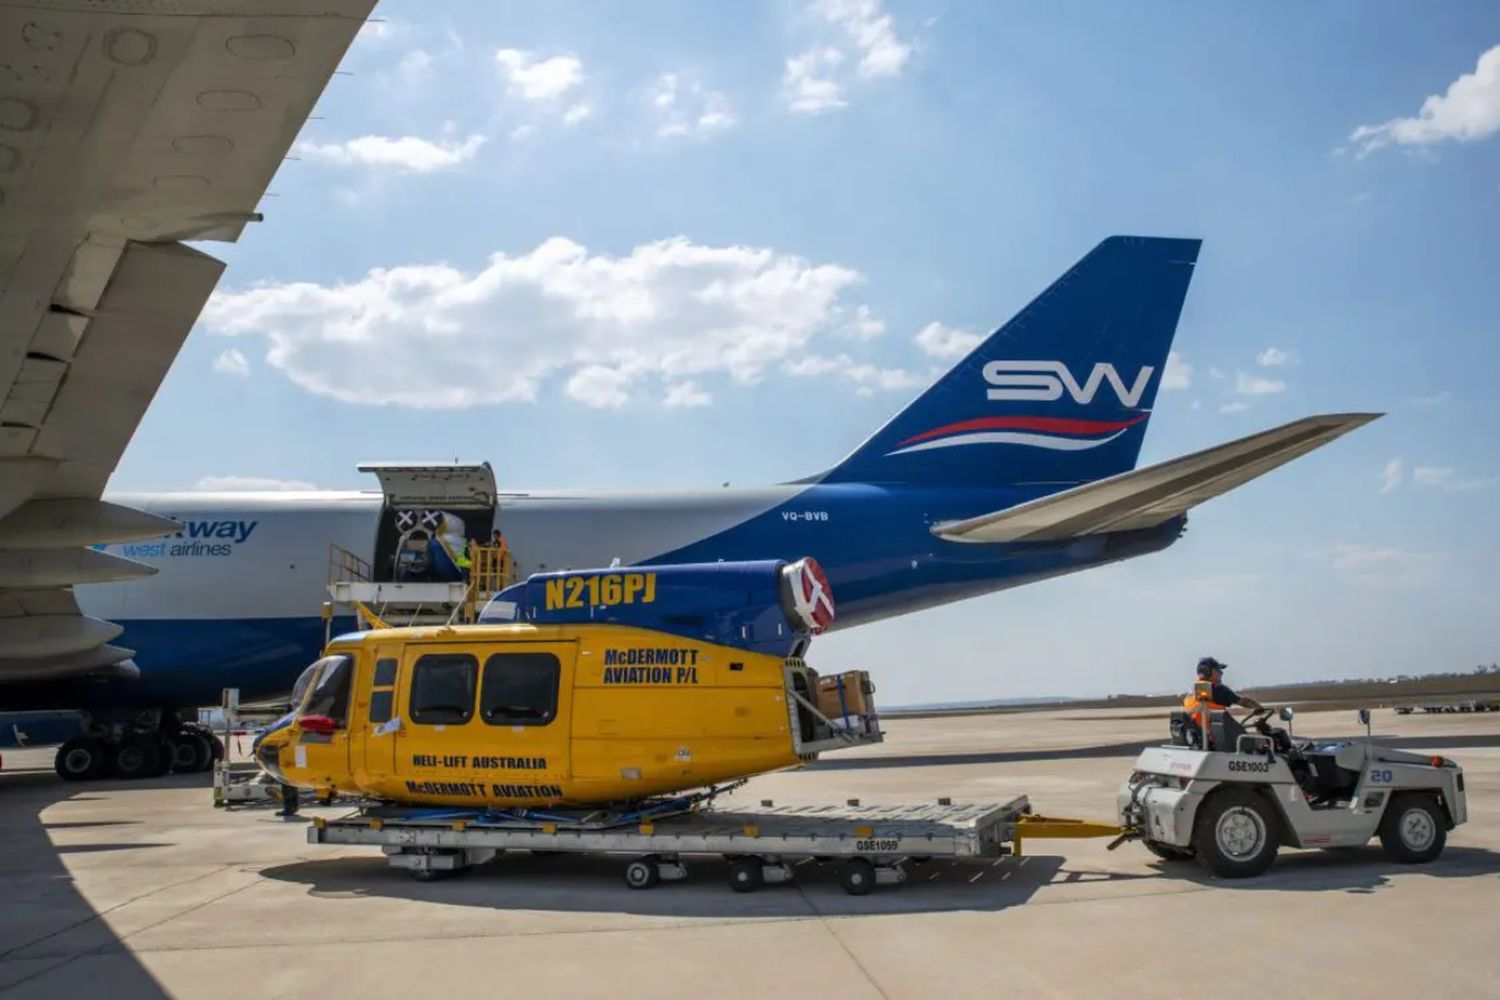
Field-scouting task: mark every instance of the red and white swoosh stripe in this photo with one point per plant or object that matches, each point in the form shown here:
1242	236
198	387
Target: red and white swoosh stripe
1053	433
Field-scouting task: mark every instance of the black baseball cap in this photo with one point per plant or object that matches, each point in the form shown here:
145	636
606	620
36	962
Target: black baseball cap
1208	665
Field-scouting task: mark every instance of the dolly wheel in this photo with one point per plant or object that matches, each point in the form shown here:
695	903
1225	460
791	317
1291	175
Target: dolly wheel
745	875
642	873
858	877
1413	830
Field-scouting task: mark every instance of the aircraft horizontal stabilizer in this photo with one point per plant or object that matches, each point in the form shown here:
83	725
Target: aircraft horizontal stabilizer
1147	497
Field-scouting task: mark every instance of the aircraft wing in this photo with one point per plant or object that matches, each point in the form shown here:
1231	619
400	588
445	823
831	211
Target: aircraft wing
125	128
1147	497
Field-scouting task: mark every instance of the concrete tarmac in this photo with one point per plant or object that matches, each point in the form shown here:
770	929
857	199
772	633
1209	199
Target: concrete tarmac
143	889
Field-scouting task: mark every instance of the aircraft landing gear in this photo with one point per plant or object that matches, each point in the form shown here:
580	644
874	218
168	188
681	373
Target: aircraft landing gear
194	750
82	758
140	755
147	746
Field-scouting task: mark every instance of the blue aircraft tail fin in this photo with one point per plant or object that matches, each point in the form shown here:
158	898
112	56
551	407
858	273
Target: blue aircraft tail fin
1060	394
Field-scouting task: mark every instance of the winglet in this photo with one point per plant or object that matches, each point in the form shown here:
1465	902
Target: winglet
1147	497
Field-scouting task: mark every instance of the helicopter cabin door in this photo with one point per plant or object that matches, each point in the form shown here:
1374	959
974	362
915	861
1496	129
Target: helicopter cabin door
494	716
378	699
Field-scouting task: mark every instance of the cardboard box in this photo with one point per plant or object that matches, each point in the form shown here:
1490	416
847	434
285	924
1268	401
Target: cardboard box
857	694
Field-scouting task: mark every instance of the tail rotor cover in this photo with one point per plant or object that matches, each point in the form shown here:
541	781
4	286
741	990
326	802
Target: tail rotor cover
811	598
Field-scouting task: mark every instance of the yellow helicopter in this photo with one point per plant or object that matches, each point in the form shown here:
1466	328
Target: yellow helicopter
579	689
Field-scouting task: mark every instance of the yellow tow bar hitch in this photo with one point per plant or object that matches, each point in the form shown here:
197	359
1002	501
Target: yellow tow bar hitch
1033	827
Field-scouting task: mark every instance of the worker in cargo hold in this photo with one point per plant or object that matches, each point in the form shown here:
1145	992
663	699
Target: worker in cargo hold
1220	697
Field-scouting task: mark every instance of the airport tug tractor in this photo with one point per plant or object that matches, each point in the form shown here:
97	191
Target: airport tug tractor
600	689
1232	793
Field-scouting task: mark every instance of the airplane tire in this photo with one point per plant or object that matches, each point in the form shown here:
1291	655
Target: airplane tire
858	877
138	757
1413	830
1236	835
82	759
745	875
191	753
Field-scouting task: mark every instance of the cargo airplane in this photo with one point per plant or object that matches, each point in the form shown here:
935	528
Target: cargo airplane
1018	464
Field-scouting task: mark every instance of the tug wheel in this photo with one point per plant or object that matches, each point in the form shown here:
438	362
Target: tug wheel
642	873
858	877
1236	834
1413	830
745	875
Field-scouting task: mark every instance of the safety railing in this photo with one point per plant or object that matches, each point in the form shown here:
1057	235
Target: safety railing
491	570
347	567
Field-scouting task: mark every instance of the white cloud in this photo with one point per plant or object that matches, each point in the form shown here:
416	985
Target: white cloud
1436	399
687	108
1276	357
808	86
865	375
1359	558
1215	373
816	364
1469	110
533	79
407	153
577	113
1448	480
873	32
1255	385
947	342
433	336
1381	565
1393	475
864	325
1236	406
232	362
815	81
414	67
1178	374
686	395
250	484
378	31
599	387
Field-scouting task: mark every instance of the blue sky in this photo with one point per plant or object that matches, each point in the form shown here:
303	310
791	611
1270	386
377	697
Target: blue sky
497	239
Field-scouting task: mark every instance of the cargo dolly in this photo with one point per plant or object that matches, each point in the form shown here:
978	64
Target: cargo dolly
875	843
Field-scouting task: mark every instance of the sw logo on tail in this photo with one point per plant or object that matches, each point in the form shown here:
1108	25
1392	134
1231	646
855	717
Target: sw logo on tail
1068	384
1045	381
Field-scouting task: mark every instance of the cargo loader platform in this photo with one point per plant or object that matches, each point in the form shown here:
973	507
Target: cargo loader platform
875	843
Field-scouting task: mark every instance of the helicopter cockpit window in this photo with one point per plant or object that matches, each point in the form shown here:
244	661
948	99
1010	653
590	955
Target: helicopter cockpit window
304	681
442	689
520	689
330	693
